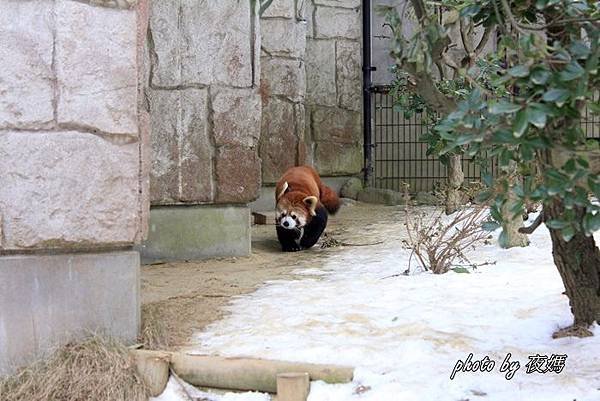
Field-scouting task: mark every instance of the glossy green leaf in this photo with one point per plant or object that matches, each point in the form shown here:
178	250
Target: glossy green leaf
572	71
559	96
540	77
536	117
503	106
520	124
518	71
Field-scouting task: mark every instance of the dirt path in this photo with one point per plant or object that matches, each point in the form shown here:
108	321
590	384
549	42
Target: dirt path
186	297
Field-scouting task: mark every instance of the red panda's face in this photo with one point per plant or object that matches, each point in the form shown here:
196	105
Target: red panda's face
294	211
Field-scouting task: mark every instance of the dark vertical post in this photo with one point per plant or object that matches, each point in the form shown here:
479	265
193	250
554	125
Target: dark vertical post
367	68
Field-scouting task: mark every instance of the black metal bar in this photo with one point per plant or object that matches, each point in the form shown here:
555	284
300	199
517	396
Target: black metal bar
367	68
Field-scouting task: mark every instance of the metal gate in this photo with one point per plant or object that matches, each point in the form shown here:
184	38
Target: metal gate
399	155
395	154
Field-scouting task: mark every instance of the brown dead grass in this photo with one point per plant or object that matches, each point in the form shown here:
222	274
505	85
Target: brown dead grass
155	333
573	331
97	369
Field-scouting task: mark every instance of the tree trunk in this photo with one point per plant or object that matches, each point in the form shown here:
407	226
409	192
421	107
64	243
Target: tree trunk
456	178
578	262
511	221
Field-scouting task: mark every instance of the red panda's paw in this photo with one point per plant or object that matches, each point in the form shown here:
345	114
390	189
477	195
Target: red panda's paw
292	248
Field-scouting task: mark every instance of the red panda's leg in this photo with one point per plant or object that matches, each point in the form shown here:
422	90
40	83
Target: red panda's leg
288	239
314	229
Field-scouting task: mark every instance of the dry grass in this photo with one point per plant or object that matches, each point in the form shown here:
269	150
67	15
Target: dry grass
573	331
155	333
97	369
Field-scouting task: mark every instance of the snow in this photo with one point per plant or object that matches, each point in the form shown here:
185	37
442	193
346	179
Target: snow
177	390
404	334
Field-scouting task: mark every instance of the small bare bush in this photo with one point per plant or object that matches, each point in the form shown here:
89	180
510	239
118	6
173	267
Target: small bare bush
438	241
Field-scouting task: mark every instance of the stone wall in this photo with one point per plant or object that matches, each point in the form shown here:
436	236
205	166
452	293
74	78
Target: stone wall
73	172
283	87
202	97
311	87
70	139
334	85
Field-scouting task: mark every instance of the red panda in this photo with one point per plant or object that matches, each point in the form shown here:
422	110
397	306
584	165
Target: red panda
302	205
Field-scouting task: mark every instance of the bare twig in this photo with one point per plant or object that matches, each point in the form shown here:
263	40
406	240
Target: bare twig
536	223
437	243
484	39
467	44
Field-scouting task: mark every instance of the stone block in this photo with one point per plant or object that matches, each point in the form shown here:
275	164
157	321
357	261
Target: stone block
280	9
96	67
300	127
67	190
219	32
181	148
278	139
338	3
341	23
202	43
283	37
320	72
49	300
382	197
142	10
309	10
349	75
236	115
427	198
26	77
351	188
336	125
283	77
338	159
165	43
238	173
196	232
112	3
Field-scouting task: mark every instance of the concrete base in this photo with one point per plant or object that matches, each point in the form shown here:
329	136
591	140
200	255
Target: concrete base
266	200
47	300
196	232
382	197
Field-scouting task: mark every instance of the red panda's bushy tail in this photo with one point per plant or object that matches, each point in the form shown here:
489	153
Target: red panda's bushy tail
330	199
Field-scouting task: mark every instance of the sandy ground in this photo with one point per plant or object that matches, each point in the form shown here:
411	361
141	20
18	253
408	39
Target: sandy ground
188	296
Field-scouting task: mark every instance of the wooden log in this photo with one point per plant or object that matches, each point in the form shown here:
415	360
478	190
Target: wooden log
293	386
153	367
249	373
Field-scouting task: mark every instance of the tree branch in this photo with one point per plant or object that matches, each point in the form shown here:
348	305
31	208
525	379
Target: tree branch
511	17
467	45
536	223
484	39
420	10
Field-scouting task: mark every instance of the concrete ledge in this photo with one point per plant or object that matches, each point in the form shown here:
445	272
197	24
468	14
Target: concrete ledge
382	197
196	232
47	300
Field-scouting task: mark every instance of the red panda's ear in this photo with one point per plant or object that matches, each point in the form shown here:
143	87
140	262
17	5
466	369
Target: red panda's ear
311	202
284	189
